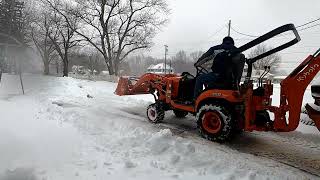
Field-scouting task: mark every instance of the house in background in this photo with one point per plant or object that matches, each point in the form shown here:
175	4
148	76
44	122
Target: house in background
160	69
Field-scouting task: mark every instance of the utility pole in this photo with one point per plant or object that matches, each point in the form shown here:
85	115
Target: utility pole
165	58
229	27
170	70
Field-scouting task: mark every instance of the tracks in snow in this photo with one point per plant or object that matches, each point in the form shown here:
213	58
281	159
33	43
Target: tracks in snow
291	149
302	154
286	148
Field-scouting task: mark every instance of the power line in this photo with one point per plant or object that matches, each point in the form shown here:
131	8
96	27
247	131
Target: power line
309	27
308	23
206	41
253	36
217	31
242	33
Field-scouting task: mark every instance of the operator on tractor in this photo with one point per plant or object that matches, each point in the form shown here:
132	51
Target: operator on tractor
219	64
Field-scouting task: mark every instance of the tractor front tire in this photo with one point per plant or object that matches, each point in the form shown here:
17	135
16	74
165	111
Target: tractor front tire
215	122
155	113
180	114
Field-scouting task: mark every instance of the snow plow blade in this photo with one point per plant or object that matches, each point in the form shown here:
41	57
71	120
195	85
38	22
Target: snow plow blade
314	114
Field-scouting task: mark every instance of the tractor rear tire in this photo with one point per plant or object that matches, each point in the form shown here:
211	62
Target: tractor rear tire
155	113
215	122
180	114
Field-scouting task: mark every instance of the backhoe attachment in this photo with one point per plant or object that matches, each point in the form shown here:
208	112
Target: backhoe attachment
292	91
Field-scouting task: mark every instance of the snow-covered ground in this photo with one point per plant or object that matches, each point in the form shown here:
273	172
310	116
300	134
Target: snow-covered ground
57	131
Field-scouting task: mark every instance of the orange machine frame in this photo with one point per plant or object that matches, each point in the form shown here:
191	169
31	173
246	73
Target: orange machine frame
291	95
148	83
165	88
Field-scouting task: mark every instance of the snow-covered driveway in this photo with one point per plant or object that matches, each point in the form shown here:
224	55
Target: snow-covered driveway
57	131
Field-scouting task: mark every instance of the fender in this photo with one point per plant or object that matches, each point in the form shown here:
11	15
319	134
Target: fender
228	95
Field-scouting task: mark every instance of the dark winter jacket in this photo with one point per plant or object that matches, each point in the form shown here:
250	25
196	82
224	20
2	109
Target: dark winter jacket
221	59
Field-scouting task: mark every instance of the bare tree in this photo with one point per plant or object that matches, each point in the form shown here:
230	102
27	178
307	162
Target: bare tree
92	61
181	57
139	64
66	39
118	27
181	62
95	62
273	60
195	55
43	35
56	61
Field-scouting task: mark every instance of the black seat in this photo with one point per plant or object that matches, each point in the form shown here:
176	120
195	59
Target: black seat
186	87
222	85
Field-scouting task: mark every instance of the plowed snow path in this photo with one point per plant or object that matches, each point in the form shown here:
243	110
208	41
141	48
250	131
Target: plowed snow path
295	149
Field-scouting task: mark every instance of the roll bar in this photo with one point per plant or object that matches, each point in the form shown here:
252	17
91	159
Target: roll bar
317	53
261	39
265	37
269	35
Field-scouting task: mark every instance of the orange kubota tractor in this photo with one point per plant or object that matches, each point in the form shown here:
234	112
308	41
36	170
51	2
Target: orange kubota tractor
229	107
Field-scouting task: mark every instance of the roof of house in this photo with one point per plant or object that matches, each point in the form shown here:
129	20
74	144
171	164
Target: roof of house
160	66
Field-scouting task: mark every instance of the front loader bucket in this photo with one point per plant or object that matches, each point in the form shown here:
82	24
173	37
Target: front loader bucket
130	85
314	114
123	86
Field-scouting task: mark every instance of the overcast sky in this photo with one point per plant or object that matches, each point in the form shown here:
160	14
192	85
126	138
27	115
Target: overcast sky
200	24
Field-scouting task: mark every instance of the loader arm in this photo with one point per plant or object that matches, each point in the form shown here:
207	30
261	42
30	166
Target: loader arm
292	91
146	84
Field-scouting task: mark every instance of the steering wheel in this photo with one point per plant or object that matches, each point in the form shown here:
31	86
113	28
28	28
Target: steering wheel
201	70
187	74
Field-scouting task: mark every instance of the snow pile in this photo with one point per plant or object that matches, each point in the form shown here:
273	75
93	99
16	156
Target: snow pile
18	174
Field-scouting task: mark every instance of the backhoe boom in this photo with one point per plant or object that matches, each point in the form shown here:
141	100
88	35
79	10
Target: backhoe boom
292	91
